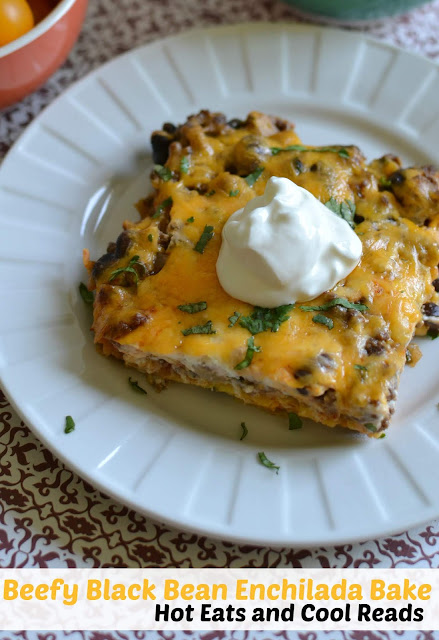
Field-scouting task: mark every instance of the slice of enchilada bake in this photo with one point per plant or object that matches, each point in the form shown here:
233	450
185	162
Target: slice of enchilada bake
159	305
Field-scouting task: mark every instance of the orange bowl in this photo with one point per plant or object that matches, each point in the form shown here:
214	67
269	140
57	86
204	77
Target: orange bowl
28	61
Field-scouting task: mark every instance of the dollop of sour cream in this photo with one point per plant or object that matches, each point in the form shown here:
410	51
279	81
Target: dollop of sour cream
285	246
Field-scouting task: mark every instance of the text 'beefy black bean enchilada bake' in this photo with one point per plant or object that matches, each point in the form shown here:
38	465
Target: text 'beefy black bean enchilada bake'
291	277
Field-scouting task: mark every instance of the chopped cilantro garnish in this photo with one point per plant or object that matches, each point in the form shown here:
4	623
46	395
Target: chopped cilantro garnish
266	462
252	177
150	238
294	422
135	260
136	386
199	328
383	435
244	430
342	152
207	235
233	193
266	319
336	302
385	183
433	333
345	210
233	319
193	307
251	350
211	193
371	427
162	206
321	319
362	369
86	295
184	164
163	172
70	425
191	219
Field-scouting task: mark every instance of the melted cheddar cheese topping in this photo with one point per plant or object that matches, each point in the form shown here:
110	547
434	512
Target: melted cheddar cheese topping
345	375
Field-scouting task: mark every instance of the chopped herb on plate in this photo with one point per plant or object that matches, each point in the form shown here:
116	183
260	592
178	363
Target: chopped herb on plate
341	151
336	302
163	172
385	183
266	462
162	206
207	235
233	193
86	295
262	319
244	431
135	261
184	164
294	422
321	319
136	386
362	369
251	350
70	425
252	177
193	307
345	210
199	329
233	319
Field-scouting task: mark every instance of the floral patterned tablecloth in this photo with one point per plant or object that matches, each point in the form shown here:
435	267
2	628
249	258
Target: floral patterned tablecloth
49	517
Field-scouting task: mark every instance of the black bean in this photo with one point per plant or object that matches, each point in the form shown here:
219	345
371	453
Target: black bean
430	309
397	178
104	295
122	244
298	165
303	391
160	148
100	265
236	123
169	127
301	373
281	125
122	328
137	320
159	262
249	154
436	284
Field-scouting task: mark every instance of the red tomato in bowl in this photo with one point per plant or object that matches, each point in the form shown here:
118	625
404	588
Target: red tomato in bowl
16	18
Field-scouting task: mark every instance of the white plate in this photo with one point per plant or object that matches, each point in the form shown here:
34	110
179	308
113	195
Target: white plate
70	181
